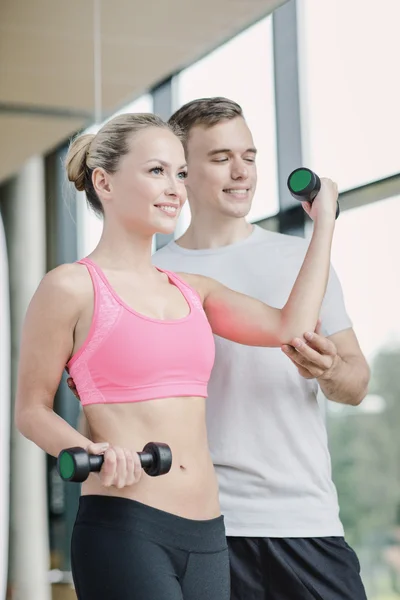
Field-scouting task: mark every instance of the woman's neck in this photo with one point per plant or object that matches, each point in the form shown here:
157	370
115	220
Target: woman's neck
124	250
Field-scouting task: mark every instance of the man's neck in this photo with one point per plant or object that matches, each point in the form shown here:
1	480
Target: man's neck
214	233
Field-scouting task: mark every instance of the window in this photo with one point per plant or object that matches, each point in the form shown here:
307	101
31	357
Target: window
350	96
364	441
366	255
242	70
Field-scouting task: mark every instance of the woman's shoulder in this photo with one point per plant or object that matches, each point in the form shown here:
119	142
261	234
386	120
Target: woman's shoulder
67	282
67	276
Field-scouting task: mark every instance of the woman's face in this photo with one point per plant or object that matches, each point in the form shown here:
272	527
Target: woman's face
147	192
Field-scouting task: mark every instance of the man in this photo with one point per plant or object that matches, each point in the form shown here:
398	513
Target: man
266	434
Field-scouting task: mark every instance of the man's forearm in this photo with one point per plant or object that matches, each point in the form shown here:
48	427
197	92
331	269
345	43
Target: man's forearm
347	381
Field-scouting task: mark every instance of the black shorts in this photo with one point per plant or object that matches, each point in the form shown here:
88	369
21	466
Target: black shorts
294	569
125	550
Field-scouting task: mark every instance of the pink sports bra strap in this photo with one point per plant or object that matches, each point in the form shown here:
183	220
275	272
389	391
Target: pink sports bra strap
100	283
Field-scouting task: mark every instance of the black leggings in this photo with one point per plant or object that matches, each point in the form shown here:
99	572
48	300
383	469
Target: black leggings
125	550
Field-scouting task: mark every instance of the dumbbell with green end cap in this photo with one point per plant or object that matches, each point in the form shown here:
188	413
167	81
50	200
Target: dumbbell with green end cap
304	185
75	464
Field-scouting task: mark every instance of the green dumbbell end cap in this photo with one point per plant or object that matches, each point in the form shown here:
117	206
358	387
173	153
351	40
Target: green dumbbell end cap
299	180
66	466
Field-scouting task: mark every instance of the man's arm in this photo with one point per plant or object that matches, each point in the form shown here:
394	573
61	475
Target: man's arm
335	361
347	381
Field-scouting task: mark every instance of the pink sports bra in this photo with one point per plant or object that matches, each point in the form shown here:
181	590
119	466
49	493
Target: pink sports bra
129	357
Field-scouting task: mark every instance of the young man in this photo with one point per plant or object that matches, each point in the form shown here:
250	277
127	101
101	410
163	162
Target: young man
266	433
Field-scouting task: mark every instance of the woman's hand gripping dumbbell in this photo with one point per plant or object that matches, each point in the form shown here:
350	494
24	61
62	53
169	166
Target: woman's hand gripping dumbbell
75	464
304	185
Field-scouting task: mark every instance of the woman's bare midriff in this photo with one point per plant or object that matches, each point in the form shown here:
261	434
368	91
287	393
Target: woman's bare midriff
190	489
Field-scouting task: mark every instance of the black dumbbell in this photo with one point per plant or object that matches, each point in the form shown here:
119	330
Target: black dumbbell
75	464
304	185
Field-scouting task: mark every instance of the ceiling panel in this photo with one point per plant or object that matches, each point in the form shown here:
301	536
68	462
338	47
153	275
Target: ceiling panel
46	57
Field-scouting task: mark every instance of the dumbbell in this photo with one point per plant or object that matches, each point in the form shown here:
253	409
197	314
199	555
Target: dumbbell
75	464
304	185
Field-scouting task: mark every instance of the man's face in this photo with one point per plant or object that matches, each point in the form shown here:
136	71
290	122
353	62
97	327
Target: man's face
222	173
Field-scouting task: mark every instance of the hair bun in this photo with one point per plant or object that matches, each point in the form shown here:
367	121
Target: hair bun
75	162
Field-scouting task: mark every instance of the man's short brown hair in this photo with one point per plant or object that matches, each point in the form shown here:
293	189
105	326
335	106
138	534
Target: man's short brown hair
204	111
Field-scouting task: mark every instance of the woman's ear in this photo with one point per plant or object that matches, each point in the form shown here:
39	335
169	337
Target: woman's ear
101	182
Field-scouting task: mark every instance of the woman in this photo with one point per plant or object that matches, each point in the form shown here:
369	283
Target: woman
138	342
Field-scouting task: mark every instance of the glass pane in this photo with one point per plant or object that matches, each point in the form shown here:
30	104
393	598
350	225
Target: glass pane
242	70
88	224
350	95
365	440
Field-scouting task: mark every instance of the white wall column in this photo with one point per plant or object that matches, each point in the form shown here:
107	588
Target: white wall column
24	220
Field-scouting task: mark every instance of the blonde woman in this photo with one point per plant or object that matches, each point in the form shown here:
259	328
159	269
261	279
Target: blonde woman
138	343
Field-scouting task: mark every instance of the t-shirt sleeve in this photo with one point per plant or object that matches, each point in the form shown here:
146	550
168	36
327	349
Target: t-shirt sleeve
333	315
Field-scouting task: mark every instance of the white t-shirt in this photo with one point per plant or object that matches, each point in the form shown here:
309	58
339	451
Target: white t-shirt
266	432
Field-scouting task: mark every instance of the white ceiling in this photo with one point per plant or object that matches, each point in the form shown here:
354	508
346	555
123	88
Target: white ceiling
46	59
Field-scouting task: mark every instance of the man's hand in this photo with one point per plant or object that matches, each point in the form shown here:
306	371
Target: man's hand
315	358
72	387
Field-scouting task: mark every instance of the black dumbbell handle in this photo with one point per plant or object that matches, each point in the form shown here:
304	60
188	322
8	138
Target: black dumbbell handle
75	464
96	461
